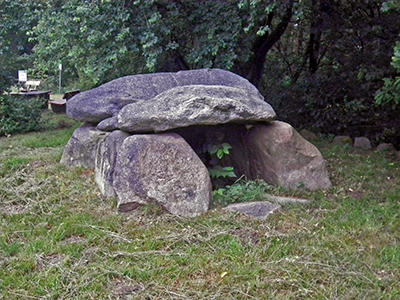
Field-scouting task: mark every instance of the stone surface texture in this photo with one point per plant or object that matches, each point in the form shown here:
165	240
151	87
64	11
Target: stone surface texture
343	140
109	124
161	169
287	200
362	142
81	148
106	156
106	101
389	147
258	209
195	105
280	156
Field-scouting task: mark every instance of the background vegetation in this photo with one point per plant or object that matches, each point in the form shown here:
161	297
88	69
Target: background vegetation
326	62
19	115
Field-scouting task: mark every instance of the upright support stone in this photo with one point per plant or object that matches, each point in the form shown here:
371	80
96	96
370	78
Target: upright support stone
280	156
161	169
105	161
81	148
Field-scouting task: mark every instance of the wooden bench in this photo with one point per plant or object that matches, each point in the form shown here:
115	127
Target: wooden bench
60	106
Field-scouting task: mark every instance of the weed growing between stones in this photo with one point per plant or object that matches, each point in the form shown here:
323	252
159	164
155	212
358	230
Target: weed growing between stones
215	153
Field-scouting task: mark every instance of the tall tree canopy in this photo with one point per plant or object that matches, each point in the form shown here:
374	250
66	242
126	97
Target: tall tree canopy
94	37
328	77
321	61
16	19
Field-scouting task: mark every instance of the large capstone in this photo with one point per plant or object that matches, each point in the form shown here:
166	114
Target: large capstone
161	169
106	101
195	105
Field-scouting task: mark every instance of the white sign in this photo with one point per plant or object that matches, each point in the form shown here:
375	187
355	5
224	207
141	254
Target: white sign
60	67
22	75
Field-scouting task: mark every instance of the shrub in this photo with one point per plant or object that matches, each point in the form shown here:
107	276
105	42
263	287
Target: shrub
19	115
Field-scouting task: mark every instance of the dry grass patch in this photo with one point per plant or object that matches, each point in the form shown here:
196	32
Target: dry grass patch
60	239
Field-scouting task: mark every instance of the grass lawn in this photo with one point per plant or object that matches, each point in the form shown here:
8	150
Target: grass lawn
60	239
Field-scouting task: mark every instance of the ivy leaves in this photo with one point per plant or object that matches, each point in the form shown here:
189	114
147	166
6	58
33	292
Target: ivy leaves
390	92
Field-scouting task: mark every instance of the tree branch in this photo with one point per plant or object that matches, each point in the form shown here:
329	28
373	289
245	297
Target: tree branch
264	44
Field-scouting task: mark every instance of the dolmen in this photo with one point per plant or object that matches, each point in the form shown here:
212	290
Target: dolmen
145	137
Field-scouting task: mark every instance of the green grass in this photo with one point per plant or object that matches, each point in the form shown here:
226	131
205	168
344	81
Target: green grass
60	239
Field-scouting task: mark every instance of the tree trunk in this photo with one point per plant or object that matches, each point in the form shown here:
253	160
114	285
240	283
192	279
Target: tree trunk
265	43
315	37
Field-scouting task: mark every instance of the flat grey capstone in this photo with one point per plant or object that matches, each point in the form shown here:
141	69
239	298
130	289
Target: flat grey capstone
195	105
257	209
107	100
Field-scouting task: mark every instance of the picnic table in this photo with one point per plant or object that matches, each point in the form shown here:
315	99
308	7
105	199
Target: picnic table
36	94
44	95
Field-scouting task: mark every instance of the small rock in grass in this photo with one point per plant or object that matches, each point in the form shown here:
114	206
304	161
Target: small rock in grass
362	142
343	140
287	200
258	209
389	147
308	135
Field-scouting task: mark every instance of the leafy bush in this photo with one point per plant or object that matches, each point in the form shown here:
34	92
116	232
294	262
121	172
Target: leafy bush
390	92
19	115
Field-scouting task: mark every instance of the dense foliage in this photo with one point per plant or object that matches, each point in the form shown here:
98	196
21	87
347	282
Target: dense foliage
391	89
320	63
328	80
17	18
19	115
